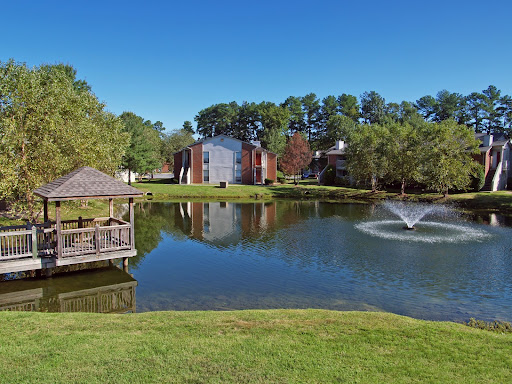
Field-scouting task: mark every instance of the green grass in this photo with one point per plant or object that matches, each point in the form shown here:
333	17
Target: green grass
306	189
276	346
162	190
487	201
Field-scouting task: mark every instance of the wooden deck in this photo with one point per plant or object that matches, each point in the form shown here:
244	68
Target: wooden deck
41	246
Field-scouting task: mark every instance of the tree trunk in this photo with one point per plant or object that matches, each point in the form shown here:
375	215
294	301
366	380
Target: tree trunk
129	176
374	184
402	191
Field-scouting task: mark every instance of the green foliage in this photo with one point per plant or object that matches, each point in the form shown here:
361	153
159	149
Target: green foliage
187	126
367	160
329	175
478	178
372	107
493	326
404	154
447	149
269	181
144	153
174	142
51	124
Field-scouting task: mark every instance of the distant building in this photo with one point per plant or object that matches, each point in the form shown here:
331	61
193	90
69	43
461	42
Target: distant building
337	158
495	153
223	158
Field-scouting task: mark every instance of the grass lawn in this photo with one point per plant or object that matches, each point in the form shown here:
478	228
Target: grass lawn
306	189
276	346
162	190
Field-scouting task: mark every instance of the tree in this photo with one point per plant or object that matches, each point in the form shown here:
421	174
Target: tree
144	152
173	142
366	153
447	162
296	122
337	128
274	123
311	107
349	106
329	108
427	106
297	155
372	107
448	105
215	120
49	126
493	118
187	126
404	149
245	121
474	110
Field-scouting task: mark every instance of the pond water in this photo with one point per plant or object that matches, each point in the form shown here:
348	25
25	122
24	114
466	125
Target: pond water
290	254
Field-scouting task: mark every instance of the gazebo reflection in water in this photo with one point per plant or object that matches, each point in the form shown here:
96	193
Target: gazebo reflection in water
105	290
66	242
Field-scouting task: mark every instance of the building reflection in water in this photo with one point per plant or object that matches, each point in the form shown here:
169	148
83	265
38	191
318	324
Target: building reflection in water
224	223
107	290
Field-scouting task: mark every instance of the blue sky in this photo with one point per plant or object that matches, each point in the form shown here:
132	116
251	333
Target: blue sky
168	60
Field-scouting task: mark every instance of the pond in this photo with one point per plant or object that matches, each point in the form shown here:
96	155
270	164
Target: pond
291	254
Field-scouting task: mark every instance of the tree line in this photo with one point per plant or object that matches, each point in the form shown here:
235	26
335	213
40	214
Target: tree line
323	120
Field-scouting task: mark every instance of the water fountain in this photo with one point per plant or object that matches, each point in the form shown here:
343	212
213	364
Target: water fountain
412	213
448	230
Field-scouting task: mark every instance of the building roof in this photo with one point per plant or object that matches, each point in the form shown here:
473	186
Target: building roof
85	183
499	143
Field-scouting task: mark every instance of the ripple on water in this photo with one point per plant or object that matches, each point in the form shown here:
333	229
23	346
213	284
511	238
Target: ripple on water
427	231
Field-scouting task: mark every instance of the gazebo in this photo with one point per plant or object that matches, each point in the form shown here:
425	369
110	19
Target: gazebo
65	242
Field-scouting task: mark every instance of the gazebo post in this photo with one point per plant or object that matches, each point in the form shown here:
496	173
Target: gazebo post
45	211
132	232
111	207
58	229
132	220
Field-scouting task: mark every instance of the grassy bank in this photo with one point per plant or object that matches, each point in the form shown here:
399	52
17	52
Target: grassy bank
161	190
278	346
307	189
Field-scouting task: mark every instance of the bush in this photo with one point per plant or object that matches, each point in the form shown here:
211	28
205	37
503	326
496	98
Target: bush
341	182
478	180
329	175
279	175
494	326
269	181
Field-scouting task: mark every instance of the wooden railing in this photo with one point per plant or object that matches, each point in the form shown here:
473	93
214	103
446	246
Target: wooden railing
21	241
77	237
83	241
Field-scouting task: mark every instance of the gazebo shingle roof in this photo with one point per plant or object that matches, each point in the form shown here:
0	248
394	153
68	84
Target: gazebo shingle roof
83	183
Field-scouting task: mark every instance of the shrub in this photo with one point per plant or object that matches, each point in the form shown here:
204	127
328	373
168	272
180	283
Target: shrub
494	326
269	181
329	175
341	181
478	179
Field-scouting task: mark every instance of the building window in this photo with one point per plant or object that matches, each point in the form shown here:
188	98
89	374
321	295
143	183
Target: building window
206	175
206	157
238	157
238	174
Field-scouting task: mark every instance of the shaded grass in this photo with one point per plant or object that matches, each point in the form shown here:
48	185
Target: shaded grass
276	346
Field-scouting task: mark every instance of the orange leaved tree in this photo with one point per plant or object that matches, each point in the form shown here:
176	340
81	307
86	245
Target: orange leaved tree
297	155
